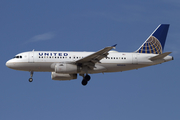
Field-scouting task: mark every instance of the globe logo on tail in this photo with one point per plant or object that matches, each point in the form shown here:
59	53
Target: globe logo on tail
152	45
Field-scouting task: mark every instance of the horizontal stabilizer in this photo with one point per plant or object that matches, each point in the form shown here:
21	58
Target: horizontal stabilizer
160	56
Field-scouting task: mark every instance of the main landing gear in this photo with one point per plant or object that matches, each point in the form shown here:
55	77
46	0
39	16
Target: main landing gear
85	80
31	74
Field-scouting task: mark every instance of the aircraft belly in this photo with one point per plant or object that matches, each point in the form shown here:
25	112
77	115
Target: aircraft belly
24	66
121	67
42	67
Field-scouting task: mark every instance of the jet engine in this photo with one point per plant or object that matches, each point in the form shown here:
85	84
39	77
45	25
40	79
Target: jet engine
66	68
58	76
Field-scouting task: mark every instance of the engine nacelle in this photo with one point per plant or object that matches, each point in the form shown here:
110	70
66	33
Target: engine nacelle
58	76
66	68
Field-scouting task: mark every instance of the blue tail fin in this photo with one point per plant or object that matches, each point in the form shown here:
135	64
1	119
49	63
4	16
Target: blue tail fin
156	41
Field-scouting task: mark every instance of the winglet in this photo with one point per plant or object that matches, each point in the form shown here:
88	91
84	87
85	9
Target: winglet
114	46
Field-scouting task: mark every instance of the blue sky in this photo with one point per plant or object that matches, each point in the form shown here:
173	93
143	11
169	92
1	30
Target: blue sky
148	93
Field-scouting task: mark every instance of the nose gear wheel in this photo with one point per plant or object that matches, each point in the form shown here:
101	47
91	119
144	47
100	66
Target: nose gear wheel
31	74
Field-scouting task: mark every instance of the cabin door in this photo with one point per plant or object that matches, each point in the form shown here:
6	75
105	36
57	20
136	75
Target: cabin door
31	57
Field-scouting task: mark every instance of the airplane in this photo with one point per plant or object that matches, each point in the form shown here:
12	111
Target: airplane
65	65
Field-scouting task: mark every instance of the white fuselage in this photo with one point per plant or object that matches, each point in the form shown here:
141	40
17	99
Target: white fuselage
45	61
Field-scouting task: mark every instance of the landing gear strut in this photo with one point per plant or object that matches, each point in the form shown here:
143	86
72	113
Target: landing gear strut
31	74
85	80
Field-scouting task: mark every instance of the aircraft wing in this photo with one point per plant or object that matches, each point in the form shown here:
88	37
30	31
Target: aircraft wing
97	56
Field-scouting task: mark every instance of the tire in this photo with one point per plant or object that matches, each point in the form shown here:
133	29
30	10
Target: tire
30	79
84	82
87	77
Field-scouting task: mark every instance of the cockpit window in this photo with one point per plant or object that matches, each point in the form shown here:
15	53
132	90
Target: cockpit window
18	57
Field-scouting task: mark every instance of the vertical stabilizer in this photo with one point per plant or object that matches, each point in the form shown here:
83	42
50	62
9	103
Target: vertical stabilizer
156	41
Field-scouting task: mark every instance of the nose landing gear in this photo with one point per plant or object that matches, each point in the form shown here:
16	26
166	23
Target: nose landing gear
31	74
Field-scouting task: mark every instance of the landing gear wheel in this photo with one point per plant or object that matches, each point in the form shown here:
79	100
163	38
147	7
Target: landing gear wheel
31	74
87	77
30	79
84	82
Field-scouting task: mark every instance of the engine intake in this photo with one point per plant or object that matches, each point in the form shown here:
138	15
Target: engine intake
58	76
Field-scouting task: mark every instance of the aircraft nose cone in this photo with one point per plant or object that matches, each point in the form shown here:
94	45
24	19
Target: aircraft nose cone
9	64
